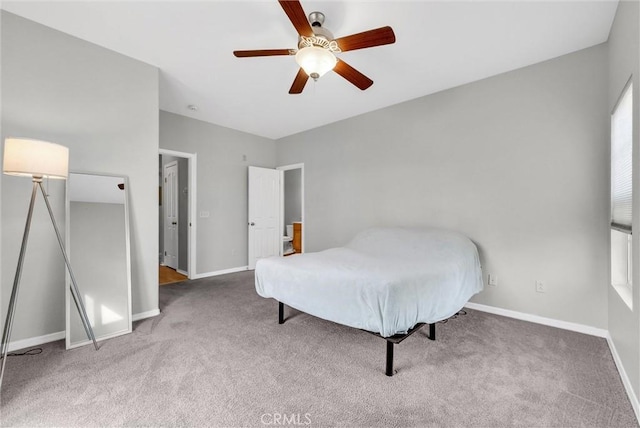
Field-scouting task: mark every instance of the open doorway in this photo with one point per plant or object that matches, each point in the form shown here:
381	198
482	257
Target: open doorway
176	257
276	212
292	209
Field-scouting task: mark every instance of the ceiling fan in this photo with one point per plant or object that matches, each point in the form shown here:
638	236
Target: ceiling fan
317	48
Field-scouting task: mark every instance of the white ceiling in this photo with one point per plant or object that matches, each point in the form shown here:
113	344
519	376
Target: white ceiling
440	44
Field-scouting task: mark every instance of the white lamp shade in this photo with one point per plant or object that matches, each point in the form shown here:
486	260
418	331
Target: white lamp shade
315	60
35	158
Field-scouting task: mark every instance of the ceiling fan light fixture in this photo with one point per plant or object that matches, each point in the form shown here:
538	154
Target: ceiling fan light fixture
316	61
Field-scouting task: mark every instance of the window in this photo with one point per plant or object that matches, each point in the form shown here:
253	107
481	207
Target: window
621	194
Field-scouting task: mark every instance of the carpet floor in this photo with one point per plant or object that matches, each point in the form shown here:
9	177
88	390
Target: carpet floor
216	356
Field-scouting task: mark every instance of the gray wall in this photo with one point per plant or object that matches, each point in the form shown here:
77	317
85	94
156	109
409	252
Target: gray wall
518	162
221	185
624	48
104	107
292	196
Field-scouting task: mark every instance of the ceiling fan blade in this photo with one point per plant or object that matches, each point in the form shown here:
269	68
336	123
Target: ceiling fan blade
296	15
352	75
264	52
299	82
367	39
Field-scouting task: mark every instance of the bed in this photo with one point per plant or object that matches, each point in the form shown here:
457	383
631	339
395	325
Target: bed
387	281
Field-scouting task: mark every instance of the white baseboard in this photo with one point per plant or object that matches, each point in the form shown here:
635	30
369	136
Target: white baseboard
142	315
219	272
35	341
60	335
624	377
580	328
184	272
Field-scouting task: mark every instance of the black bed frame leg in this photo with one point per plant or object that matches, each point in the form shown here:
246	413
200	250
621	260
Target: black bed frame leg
280	313
389	371
432	331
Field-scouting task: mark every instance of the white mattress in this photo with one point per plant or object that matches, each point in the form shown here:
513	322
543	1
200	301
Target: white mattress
386	280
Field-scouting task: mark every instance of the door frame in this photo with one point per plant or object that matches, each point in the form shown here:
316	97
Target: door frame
299	166
192	159
166	206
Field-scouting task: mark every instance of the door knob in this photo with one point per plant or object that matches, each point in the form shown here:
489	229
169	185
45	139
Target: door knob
252	224
174	223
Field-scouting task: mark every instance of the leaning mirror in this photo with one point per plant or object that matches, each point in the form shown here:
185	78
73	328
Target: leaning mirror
98	246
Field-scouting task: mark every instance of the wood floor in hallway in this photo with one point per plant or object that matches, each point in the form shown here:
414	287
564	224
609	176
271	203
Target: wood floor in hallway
170	276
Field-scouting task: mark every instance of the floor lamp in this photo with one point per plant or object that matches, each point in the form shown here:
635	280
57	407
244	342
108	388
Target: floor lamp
37	159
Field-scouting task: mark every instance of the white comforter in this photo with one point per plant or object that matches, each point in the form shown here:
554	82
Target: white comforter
386	280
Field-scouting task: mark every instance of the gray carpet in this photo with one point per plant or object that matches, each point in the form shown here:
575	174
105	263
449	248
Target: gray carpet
216	356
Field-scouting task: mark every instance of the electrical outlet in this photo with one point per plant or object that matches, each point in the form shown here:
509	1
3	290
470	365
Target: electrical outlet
493	280
541	287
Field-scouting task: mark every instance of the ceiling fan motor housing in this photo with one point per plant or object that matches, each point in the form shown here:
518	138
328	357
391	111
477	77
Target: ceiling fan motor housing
321	34
316	19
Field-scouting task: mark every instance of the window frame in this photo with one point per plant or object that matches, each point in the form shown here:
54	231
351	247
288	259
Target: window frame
624	252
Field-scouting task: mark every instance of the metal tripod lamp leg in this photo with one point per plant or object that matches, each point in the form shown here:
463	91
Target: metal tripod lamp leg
77	297
8	324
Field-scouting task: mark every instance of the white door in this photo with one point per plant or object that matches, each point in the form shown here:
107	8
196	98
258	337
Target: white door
265	236
171	214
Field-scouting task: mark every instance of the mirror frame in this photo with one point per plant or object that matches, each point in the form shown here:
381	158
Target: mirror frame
69	305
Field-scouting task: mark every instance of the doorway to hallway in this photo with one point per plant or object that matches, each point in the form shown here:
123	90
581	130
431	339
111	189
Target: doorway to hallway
177	199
